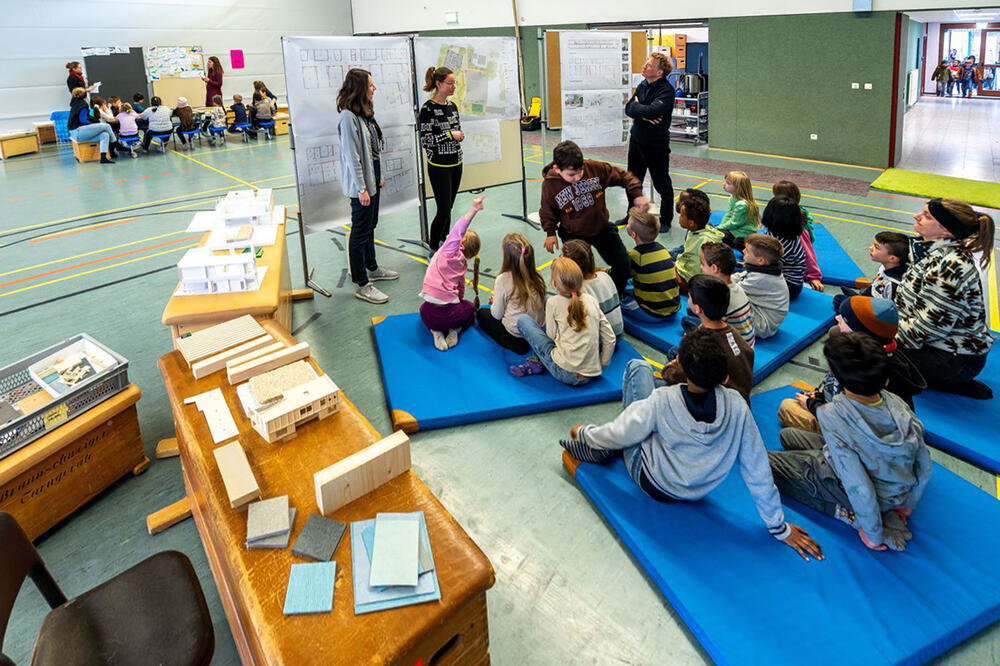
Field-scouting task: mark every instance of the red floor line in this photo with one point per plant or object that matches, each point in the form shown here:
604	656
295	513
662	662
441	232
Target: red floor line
80	231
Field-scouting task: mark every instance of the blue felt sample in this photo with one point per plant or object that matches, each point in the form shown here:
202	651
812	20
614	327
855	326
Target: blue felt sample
809	317
369	599
748	598
310	588
471	382
965	427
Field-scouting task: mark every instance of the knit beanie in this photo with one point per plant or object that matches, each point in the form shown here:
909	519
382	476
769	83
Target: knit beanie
181	102
875	316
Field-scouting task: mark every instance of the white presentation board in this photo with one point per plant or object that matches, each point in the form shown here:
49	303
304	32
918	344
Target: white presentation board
314	71
596	80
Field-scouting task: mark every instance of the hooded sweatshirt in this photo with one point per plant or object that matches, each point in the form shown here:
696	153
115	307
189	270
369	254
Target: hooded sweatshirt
579	208
879	455
444	281
685	458
768	294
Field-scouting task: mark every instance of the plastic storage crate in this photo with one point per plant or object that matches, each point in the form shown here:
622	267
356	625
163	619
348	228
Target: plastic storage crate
61	119
17	383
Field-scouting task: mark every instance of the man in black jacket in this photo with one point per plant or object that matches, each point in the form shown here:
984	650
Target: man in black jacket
649	143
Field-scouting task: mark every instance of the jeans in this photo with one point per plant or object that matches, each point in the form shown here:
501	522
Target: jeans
608	244
445	182
654	157
100	131
542	345
495	329
361	246
802	472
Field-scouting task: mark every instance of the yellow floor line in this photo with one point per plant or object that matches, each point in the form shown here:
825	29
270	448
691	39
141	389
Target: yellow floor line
994	304
998	486
91	253
658	366
97	270
212	168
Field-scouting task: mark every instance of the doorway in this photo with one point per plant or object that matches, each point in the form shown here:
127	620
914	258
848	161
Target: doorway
974	46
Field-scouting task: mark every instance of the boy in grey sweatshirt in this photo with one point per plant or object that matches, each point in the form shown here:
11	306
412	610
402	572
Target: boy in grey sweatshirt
868	466
763	284
680	442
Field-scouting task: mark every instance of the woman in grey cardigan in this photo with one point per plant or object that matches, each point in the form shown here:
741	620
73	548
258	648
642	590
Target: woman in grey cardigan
361	142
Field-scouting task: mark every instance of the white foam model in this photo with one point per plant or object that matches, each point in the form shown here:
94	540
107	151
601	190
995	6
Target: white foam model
246	207
204	272
316	398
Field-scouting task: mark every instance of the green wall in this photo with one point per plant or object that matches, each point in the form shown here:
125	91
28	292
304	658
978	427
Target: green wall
778	79
529	48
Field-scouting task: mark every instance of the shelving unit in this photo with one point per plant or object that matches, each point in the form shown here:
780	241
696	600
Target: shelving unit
690	119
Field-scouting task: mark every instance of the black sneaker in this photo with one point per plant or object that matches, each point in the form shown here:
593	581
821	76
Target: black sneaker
105	160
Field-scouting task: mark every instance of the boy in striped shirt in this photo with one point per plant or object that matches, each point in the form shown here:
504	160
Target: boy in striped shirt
654	278
718	260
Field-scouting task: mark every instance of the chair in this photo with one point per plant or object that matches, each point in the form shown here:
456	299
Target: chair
153	613
217	133
267	126
130	142
191	135
163	138
244	128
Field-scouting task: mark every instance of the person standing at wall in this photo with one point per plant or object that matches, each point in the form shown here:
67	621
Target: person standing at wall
649	143
361	143
441	136
75	79
213	82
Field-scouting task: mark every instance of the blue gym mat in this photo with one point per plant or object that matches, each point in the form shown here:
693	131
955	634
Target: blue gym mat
809	317
428	389
964	427
749	599
836	265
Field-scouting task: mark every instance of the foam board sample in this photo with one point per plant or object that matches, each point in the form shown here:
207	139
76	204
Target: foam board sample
396	553
267	518
278	541
319	538
310	588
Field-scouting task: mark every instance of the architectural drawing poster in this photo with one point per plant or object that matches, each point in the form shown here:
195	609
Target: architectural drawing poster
314	71
596	79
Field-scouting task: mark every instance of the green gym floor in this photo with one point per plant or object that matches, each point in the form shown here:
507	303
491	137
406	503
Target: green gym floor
91	248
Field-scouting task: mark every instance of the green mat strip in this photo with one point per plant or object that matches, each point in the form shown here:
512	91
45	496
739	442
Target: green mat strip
976	192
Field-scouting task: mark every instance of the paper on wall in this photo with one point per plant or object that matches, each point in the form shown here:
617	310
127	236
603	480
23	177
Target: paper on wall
482	142
595	117
485	68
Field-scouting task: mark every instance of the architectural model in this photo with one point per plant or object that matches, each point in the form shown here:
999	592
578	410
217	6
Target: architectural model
204	272
317	398
246	207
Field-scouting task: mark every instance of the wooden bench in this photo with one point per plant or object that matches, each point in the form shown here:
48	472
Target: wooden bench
86	151
18	143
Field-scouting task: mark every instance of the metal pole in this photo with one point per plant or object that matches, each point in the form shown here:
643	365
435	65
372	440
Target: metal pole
524	185
421	193
306	271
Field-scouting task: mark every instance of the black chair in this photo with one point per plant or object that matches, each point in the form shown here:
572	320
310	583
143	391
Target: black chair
153	613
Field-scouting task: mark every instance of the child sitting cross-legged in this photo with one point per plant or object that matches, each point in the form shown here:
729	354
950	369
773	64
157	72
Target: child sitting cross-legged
654	279
577	341
519	289
718	260
763	284
680	442
814	276
444	311
868	466
708	299
597	282
694	215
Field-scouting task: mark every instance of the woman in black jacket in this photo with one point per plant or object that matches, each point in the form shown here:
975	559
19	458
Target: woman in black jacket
75	79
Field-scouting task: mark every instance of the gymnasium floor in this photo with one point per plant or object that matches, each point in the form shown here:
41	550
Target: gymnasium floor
92	248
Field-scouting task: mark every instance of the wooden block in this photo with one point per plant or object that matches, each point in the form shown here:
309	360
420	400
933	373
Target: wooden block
21	143
253	368
301	294
168	516
214	339
257	353
167	448
241	484
359	474
33	402
46	132
86	151
215	363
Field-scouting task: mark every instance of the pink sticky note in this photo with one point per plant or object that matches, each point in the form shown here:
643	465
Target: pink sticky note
236	58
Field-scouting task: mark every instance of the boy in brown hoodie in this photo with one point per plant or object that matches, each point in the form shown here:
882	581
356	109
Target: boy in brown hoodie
573	206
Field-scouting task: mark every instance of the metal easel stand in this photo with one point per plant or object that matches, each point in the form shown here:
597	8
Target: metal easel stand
524	217
311	286
421	242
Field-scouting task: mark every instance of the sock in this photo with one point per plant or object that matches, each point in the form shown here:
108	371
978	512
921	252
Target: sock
585	453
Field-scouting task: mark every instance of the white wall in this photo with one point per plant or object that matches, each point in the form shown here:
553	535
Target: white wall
38	37
933	56
412	15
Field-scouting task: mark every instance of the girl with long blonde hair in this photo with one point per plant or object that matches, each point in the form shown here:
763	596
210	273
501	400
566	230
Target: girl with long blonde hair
577	341
743	215
518	289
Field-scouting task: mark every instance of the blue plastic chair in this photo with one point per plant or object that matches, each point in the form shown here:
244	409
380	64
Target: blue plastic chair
163	138
217	133
191	135
130	142
61	120
268	127
245	128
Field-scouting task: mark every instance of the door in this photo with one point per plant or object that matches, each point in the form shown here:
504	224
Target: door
990	58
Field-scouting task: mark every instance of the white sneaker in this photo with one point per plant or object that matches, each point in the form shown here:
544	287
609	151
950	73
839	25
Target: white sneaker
439	341
452	338
371	294
382	274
